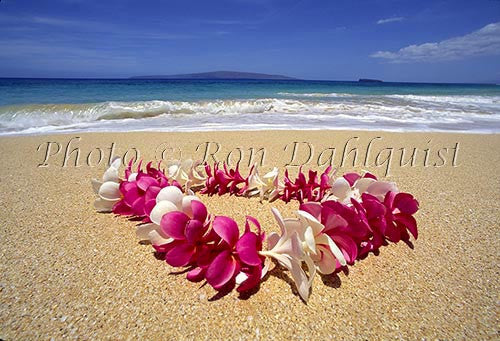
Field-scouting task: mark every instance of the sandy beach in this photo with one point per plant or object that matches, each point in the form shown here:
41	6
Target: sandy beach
67	271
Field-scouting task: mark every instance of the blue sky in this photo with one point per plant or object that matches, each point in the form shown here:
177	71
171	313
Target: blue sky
433	41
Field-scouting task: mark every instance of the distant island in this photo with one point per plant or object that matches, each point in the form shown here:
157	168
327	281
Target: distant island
218	75
368	80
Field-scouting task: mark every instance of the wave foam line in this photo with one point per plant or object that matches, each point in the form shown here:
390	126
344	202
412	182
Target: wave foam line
398	111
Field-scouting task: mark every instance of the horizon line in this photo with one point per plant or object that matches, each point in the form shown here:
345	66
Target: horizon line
248	79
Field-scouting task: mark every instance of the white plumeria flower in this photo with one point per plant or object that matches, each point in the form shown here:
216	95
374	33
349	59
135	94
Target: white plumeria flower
169	199
319	245
287	250
185	173
267	186
342	191
108	189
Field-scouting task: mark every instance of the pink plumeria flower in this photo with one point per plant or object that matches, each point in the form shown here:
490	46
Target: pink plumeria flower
169	199
233	255
399	216
139	191
189	234
108	189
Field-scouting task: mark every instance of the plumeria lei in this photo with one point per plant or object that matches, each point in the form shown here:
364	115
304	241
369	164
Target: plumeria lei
340	220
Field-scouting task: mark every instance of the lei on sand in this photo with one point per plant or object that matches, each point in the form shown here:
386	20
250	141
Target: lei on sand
339	220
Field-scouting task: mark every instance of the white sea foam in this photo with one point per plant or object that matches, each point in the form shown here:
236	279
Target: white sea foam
315	94
313	111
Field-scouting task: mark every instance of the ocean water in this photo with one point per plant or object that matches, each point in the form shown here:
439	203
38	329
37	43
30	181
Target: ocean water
37	106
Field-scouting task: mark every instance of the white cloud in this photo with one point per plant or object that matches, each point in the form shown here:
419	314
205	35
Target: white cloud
485	41
388	20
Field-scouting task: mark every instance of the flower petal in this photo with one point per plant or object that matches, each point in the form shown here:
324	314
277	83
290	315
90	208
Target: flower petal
298	275
116	163
253	279
142	231
409	222
291	246
180	255
348	247
173	224
156	239
380	188
247	249
406	203
172	194
196	275
138	207
313	208
132	177
327	262
160	209
336	251
186	204
131	193
195	230
221	270
309	220
148	207
227	229
294	225
204	255
102	205
351	178
311	268
374	208
340	188
251	221
144	181
272	239
121	208
279	219
271	175
309	239
111	174
152	193
331	220
363	184
199	210
173	171
110	190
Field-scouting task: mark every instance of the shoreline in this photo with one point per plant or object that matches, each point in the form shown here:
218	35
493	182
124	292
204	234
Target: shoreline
68	271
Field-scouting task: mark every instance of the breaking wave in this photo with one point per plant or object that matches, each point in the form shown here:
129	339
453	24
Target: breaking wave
297	111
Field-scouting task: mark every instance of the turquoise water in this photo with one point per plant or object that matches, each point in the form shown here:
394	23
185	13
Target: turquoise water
33	106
